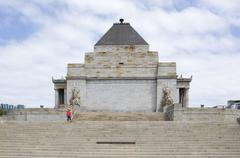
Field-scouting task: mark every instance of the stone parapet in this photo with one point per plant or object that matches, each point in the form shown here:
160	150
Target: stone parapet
37	115
206	114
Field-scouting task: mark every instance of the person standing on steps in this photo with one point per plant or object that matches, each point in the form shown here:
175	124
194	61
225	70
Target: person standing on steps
69	115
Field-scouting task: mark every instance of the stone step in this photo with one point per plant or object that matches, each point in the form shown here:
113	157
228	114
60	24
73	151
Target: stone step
112	153
119	116
130	156
119	148
153	139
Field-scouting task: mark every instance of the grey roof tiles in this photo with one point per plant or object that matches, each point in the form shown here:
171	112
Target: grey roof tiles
121	34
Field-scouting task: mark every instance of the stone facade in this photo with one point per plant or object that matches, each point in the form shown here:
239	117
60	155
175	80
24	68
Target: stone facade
122	77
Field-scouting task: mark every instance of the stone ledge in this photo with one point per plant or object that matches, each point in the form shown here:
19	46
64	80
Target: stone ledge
167	64
167	77
109	78
77	65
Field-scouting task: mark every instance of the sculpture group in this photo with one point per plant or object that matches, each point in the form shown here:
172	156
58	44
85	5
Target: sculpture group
74	101
167	99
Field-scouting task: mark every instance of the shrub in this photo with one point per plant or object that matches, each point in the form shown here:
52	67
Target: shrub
3	112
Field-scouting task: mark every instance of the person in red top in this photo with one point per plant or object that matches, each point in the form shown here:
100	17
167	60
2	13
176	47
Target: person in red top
69	115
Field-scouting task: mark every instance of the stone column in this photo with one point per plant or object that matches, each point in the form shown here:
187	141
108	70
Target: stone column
56	98
182	96
65	96
159	95
186	98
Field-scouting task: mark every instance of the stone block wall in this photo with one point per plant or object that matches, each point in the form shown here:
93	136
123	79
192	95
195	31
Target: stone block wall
121	72
74	70
36	115
113	59
167	70
206	114
121	95
121	48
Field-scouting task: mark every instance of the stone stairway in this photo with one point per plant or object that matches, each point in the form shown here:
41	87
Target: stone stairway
120	116
146	139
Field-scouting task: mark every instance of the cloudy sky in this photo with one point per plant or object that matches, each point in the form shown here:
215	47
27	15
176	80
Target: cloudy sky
38	39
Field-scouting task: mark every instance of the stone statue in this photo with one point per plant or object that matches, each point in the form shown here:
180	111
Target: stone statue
167	99
75	101
75	98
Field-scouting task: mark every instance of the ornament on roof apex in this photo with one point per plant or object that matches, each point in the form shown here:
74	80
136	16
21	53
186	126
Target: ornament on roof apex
121	20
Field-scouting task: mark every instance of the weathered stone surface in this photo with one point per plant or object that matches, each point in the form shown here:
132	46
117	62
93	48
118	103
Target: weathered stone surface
121	95
167	70
121	48
206	114
120	116
37	115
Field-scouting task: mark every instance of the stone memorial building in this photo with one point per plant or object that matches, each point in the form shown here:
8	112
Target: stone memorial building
121	74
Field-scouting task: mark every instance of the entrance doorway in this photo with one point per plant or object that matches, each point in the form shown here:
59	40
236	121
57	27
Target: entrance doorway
61	96
182	96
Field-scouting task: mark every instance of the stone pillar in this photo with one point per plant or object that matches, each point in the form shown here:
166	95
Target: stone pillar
186	97
182	96
56	98
65	97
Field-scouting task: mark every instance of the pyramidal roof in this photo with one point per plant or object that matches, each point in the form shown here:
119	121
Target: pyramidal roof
121	34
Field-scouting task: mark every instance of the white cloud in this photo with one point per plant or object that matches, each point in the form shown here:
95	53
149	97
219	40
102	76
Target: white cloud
197	37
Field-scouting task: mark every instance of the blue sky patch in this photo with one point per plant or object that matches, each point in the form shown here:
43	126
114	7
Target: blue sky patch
14	26
235	31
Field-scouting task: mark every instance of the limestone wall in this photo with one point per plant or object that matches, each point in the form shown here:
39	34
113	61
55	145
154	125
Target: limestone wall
206	114
76	70
167	70
121	95
36	115
115	65
121	48
113	59
121	72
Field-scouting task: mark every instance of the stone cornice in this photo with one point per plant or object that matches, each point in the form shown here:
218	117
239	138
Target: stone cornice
59	81
167	77
109	78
